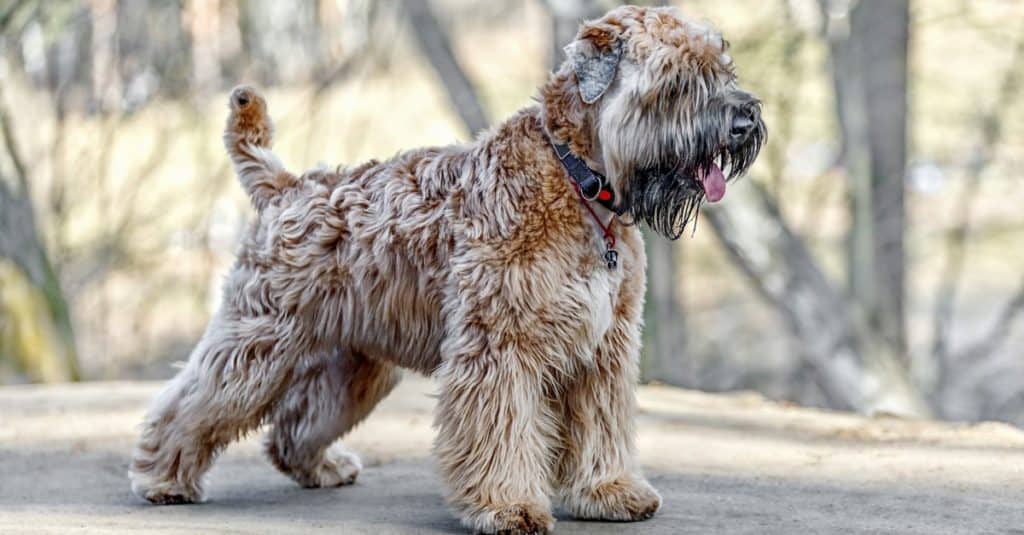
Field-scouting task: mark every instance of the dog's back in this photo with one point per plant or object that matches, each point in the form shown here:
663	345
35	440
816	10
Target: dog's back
363	250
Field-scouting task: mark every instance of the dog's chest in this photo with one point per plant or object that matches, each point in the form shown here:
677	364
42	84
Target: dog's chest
601	291
603	287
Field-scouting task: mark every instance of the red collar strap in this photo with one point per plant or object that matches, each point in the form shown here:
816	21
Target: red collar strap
591	187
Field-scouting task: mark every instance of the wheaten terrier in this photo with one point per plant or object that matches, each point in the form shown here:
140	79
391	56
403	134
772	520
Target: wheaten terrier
511	269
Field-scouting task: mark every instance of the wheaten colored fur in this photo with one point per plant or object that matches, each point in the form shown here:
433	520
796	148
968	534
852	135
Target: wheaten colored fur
476	264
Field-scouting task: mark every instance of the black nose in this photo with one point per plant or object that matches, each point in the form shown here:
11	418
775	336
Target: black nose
742	126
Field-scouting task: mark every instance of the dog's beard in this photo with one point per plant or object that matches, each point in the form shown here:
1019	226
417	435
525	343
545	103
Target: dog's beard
667	198
663	199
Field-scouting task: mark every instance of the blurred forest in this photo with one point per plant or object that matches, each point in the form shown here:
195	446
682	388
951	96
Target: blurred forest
872	260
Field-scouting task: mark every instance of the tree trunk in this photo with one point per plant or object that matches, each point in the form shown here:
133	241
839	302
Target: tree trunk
36	338
868	49
664	327
885	38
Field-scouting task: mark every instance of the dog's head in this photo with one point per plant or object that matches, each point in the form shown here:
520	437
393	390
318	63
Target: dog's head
653	99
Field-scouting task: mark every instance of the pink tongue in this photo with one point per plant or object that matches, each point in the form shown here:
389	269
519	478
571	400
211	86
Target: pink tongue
714	183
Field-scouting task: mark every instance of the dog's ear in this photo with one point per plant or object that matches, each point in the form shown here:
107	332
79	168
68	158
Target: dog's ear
595	56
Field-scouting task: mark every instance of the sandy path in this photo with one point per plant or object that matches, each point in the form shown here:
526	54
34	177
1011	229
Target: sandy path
725	464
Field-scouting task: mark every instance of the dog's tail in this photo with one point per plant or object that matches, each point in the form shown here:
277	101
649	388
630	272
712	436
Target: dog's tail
248	136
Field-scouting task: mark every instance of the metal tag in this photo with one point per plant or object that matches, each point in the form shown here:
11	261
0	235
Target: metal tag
611	258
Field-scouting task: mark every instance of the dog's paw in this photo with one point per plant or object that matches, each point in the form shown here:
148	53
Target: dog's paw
338	467
166	492
626	499
513	519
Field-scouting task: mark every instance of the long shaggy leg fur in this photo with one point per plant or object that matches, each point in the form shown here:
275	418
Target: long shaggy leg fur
237	371
494	445
599	479
327	398
597	473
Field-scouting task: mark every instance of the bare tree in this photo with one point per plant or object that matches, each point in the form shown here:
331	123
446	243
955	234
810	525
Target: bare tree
868	42
36	336
961	374
853	369
664	348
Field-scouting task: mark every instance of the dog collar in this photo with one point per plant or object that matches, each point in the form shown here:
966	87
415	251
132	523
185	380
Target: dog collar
593	186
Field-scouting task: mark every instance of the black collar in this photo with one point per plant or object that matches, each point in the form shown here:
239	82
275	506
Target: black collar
592	186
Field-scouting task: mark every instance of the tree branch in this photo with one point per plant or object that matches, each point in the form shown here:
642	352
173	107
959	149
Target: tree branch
11	144
953	267
855	369
987	345
436	46
8	15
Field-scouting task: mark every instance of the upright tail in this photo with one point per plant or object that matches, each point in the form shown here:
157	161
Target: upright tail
248	136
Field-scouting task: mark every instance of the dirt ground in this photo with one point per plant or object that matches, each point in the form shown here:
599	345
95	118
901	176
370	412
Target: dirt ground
724	464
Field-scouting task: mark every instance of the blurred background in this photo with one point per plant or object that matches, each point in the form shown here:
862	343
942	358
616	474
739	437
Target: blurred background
873	260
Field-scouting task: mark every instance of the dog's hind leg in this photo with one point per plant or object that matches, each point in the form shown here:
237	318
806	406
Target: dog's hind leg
326	399
240	368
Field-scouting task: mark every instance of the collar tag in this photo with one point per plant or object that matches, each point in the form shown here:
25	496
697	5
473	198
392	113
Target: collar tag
611	257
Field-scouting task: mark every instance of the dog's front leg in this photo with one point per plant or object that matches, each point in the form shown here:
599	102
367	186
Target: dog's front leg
496	435
598	475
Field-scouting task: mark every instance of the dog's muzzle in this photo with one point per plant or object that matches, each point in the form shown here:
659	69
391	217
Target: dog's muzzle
743	126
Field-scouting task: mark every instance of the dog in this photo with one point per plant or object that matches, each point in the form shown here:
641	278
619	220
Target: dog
510	269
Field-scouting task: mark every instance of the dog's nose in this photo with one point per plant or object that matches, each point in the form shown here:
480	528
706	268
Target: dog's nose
742	125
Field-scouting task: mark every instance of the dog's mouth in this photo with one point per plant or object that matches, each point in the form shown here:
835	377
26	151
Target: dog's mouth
712	181
705	183
668	199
